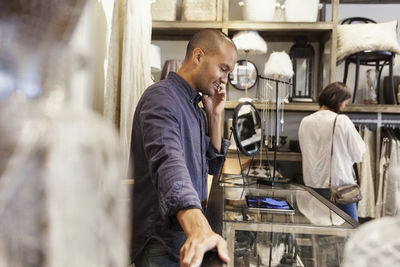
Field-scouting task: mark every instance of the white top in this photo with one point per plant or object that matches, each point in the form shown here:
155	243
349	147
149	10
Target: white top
315	137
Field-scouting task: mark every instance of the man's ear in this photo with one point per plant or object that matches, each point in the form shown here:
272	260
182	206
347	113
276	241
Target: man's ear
197	55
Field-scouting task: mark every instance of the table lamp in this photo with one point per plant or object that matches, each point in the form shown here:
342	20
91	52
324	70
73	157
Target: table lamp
249	42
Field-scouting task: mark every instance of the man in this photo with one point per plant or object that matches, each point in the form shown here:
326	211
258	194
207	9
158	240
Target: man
175	144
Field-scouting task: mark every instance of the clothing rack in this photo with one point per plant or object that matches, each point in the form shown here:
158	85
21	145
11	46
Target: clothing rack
379	123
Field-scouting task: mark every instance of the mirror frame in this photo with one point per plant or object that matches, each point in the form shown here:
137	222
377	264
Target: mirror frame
235	129
231	73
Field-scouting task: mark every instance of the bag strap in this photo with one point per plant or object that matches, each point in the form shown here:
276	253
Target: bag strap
330	168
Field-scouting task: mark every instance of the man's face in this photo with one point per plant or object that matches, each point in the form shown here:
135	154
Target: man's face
214	69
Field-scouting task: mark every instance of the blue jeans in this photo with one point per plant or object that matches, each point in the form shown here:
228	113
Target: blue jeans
350	209
154	254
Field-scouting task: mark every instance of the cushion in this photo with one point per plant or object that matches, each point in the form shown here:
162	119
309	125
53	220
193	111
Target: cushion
353	38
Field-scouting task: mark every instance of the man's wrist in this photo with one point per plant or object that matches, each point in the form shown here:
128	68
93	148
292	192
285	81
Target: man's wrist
193	221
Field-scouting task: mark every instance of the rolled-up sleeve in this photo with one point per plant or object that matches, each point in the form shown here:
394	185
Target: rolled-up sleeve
355	144
215	158
164	152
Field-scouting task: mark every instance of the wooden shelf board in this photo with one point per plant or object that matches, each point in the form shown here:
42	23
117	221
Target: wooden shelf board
180	30
179	25
271	31
278	26
365	1
358	108
280	156
288	106
311	107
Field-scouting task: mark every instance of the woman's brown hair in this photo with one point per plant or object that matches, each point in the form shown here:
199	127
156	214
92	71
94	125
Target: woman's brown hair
333	95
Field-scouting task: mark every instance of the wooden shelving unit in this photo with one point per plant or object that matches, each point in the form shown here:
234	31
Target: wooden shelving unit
320	32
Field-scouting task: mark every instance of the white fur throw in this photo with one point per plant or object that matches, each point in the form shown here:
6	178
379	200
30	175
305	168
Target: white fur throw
199	10
353	38
250	41
279	65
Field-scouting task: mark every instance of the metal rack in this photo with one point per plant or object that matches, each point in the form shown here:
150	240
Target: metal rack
271	181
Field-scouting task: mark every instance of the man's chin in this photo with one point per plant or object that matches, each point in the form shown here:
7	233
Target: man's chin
209	92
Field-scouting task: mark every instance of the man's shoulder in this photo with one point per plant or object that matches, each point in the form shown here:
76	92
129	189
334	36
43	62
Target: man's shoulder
159	92
161	87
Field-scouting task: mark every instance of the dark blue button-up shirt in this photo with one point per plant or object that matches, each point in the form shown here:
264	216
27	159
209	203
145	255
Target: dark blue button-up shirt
171	156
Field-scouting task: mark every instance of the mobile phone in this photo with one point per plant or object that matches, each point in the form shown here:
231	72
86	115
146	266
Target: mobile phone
269	204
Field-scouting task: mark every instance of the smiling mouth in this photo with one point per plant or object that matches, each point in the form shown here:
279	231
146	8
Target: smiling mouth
217	86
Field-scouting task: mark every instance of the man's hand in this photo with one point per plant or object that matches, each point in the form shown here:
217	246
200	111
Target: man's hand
214	105
200	238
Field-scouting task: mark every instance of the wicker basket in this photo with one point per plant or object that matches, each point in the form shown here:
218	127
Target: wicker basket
199	10
164	10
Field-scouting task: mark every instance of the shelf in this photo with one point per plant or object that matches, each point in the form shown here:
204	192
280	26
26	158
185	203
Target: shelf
357	108
284	31
365	1
311	107
289	106
180	30
270	31
280	156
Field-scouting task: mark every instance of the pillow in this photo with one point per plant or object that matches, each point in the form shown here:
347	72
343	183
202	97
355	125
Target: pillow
353	38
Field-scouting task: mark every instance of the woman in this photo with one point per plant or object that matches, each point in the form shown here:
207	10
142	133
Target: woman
321	169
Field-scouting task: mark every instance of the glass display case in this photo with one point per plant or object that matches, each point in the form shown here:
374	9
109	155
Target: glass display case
310	232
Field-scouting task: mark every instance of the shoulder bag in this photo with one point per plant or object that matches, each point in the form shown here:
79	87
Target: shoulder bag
344	194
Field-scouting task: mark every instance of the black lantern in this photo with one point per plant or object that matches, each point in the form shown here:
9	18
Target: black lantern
302	55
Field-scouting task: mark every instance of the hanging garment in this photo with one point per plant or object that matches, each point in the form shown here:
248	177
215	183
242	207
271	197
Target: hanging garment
366	206
383	166
393	181
128	71
136	74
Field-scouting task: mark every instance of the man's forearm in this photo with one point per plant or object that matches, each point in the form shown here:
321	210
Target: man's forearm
192	220
214	125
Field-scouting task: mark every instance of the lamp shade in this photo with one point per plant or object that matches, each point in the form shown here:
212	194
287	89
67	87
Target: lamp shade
250	42
155	58
279	66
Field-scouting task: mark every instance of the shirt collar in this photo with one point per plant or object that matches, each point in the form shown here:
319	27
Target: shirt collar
184	86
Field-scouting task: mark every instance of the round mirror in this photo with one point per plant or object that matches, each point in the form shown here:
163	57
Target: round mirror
244	75
246	128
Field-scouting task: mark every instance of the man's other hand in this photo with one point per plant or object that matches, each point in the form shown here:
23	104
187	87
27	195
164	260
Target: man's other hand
200	239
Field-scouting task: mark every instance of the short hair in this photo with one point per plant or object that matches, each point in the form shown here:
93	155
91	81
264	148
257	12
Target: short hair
333	95
209	40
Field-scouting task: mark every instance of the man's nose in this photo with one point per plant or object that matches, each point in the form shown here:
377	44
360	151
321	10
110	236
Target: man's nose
224	79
